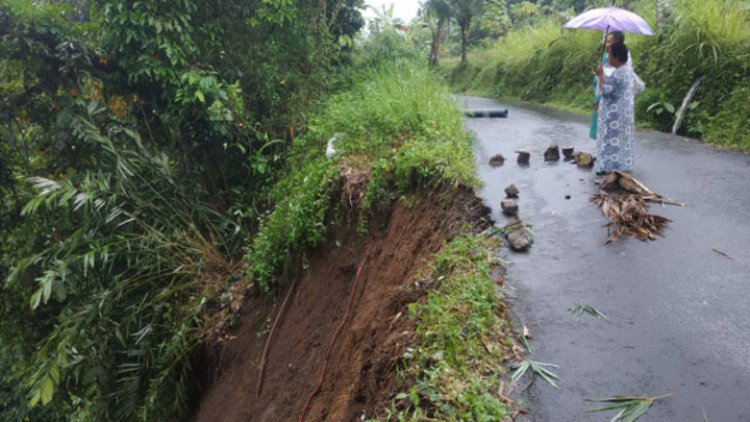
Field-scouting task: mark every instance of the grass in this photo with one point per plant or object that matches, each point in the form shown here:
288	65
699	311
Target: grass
463	339
397	125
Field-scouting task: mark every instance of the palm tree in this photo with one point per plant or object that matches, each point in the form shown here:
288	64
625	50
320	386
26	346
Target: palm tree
464	11
437	14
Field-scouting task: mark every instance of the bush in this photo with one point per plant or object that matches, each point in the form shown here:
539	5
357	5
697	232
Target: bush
730	126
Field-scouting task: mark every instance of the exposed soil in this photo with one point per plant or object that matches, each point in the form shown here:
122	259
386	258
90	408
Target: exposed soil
360	379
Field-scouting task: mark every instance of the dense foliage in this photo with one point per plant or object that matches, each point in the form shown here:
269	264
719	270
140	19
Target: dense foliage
138	142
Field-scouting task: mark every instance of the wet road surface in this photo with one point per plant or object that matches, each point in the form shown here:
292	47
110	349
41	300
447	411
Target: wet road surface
680	311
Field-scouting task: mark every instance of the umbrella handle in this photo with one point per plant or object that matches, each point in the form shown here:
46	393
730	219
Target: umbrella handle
604	44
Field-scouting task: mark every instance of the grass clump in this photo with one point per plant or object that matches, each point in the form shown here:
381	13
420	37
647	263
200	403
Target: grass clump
462	340
397	125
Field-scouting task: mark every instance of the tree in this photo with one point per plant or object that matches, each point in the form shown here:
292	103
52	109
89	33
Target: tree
464	12
437	14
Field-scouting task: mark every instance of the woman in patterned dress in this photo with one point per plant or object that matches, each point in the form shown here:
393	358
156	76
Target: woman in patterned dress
616	126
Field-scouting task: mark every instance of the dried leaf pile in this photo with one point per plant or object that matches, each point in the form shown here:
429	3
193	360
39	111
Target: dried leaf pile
623	200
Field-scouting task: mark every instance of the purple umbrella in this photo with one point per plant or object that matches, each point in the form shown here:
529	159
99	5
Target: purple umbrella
610	19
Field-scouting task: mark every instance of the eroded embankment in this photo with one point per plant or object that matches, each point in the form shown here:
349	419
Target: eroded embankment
360	378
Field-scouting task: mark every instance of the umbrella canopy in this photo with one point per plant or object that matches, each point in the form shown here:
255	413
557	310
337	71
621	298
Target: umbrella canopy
610	19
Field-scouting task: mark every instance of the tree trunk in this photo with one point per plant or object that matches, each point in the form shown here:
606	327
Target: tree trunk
464	41
437	39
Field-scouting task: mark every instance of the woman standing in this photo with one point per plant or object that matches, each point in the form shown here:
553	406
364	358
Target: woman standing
616	125
612	38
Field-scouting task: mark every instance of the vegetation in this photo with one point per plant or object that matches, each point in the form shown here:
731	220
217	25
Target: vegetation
153	153
709	40
399	126
139	141
463	341
631	408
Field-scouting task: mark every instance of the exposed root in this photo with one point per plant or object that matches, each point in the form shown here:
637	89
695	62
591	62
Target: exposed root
310	397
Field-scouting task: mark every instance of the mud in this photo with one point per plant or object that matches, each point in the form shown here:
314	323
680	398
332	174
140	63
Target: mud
360	380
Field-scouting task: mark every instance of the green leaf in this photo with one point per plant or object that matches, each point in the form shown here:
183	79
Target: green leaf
47	390
199	95
36	299
669	107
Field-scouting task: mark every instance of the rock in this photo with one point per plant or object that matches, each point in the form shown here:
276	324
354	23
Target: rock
517	239
523	158
511	191
568	153
552	153
497	160
584	159
510	207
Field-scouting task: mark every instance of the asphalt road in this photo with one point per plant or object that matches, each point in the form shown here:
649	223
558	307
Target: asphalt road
679	310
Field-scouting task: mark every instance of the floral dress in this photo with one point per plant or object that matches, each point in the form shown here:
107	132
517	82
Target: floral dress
616	126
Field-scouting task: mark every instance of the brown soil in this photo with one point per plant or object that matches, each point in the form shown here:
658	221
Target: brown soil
360	379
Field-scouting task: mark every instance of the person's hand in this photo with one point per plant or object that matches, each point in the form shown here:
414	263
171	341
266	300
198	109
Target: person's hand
596	107
599	71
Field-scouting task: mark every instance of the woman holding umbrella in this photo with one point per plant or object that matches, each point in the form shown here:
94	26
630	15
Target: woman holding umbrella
616	126
612	38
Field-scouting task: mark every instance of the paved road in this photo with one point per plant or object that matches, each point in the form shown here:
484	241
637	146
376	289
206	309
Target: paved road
689	306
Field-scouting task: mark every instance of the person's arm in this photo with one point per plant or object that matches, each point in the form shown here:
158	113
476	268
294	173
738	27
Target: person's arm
608	84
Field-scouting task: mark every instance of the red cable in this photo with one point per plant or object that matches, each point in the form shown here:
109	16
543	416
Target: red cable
331	344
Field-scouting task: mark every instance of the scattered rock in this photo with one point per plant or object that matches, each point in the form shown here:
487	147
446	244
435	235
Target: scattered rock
510	207
523	157
584	159
497	160
568	153
517	239
567	196
552	153
511	191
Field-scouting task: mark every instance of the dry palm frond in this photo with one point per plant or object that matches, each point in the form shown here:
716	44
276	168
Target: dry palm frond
622	200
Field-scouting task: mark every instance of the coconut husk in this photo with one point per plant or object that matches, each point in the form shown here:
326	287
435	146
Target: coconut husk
623	200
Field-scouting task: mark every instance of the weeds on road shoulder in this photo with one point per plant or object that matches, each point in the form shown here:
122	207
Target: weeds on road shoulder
463	340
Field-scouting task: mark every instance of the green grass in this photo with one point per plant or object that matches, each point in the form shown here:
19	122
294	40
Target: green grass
398	125
462	339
